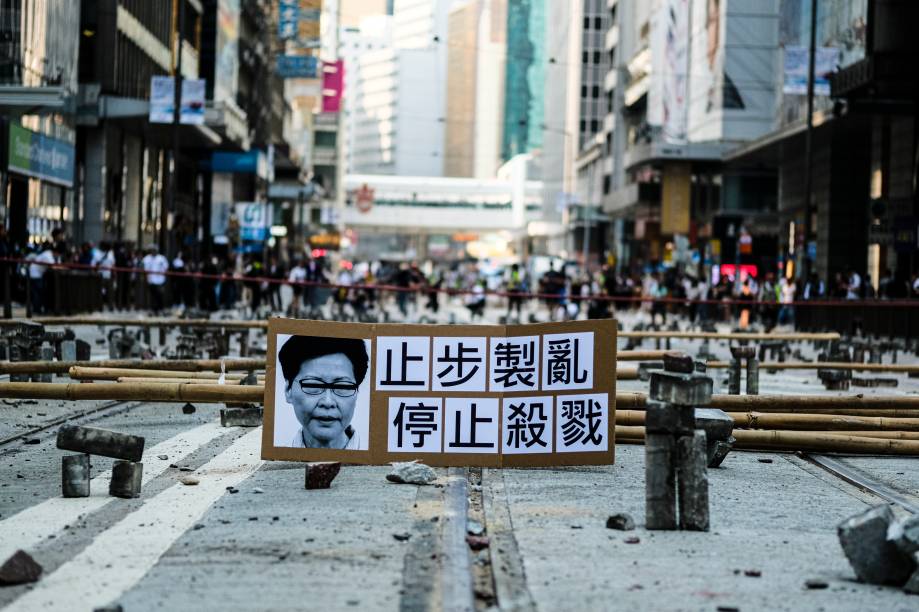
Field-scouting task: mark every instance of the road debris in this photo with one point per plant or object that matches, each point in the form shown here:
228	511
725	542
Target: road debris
411	472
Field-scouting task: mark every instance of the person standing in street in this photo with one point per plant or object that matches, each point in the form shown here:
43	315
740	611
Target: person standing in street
155	266
39	264
104	260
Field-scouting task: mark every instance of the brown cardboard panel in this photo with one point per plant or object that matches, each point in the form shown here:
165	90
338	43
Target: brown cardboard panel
604	381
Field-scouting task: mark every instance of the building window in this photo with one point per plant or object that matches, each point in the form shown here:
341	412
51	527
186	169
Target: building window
607	183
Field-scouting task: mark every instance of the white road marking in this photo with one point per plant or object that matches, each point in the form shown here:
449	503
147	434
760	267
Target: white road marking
120	556
30	526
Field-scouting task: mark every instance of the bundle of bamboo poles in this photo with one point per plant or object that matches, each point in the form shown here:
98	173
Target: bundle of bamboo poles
185	365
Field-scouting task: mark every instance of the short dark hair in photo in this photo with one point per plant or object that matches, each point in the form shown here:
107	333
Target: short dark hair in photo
298	349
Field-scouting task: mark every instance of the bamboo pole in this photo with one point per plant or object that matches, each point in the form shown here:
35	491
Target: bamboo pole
84	373
691	335
148	392
191	365
193	381
826	365
640	355
626	373
805	403
800	441
811	422
820	422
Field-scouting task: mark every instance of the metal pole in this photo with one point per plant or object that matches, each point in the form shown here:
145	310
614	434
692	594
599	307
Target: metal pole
587	212
808	142
165	234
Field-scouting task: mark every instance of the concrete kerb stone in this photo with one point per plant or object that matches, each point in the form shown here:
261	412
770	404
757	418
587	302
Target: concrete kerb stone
692	482
874	558
95	441
75	475
719	450
680	389
715	422
127	477
905	535
664	418
660	481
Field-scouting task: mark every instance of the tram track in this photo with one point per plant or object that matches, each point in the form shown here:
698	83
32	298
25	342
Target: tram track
106	409
857	478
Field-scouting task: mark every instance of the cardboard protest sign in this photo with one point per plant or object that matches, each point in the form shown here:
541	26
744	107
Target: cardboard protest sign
448	395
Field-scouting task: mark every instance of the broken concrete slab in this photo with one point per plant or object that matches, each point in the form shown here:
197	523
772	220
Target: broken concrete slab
719	450
102	442
411	472
716	423
874	558
905	534
75	475
126	479
20	568
320	475
241	417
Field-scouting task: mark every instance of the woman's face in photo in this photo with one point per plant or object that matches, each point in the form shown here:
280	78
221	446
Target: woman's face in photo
323	413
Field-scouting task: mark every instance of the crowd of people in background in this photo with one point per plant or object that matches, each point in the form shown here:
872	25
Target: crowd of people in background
131	278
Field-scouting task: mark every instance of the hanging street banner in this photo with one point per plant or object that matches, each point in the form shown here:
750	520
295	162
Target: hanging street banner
447	395
193	103
40	156
297	66
162	99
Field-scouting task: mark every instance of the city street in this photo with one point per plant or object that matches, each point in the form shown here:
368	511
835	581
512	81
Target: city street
249	536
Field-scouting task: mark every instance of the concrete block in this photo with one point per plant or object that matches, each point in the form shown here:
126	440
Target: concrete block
734	377
678	362
321	475
743	352
681	389
752	376
692	482
75	475
716	423
718	451
645	368
20	568
241	417
874	558
660	482
666	418
103	442
126	479
912	585
69	350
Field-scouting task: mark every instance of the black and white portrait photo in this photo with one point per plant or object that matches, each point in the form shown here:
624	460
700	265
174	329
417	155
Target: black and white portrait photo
322	393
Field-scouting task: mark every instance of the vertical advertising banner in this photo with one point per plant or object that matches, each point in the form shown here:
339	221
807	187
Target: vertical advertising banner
193	102
226	70
333	85
449	395
162	99
667	98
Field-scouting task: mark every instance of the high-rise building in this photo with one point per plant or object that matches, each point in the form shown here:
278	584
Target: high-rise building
525	77
475	88
401	95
